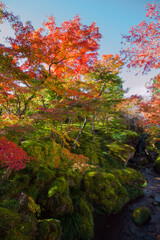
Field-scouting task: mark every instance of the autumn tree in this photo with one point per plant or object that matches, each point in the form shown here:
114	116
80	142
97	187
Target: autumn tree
142	50
142	45
41	70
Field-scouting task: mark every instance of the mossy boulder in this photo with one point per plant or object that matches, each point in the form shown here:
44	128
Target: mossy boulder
17	226
44	175
58	201
86	222
152	152
105	192
157	164
121	152
141	215
73	178
126	136
49	229
132	180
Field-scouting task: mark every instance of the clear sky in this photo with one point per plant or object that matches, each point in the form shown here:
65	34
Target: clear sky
113	17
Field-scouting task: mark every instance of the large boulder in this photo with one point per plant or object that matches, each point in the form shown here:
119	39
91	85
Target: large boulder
132	180
49	229
105	192
121	152
141	215
58	201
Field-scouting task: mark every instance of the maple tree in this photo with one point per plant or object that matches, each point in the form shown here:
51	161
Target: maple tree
11	155
151	110
41	70
142	45
143	51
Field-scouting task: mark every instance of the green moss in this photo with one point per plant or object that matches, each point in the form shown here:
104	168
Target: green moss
44	175
86	223
132	180
73	178
157	164
41	150
10	204
121	152
105	191
14	226
141	215
59	201
126	136
49	229
90	149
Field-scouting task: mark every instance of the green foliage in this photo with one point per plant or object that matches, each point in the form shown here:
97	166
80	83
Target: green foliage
125	136
89	149
10	204
79	224
33	207
41	150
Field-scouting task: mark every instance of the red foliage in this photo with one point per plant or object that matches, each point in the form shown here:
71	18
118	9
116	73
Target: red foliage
11	155
143	42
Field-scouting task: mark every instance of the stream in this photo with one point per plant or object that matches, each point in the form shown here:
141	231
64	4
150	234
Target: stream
121	226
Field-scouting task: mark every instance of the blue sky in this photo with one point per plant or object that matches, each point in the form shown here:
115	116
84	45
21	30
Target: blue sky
113	17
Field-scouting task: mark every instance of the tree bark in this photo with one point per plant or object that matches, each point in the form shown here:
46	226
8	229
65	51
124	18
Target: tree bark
79	134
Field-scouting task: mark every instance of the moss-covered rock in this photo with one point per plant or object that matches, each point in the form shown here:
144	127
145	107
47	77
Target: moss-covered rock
121	152
152	152
49	229
126	136
58	201
73	178
105	191
15	226
44	175
132	180
157	164
86	223
141	215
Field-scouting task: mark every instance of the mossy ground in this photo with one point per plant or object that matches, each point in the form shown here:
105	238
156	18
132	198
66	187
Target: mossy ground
60	202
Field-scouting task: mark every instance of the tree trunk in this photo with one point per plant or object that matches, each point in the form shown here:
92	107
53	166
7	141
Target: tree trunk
79	134
7	174
93	128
